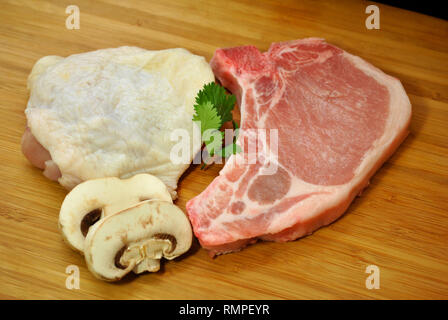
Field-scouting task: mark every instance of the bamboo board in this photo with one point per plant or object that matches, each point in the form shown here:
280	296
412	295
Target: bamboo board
400	223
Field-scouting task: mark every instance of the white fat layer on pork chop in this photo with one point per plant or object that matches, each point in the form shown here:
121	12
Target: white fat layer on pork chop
111	112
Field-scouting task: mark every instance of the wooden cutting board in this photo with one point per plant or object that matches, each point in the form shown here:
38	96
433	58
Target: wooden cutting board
400	223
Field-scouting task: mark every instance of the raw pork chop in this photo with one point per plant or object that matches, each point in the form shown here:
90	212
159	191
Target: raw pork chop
338	119
111	113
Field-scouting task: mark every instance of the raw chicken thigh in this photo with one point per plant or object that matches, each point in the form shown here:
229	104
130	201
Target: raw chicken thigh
112	112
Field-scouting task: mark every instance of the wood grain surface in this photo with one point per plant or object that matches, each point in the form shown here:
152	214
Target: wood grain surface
399	224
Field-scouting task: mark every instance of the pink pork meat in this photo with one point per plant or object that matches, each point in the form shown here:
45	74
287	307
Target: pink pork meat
338	119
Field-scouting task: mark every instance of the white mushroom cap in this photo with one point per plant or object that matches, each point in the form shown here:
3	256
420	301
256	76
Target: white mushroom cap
136	239
94	199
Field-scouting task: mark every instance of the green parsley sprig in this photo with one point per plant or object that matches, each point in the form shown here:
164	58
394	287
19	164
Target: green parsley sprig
212	109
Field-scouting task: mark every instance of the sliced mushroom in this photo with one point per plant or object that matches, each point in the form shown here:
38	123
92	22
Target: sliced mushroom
136	239
92	200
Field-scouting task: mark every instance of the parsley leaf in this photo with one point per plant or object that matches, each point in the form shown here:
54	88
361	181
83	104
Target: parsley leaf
207	115
216	94
214	107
